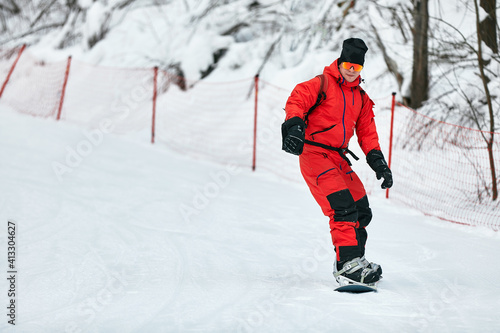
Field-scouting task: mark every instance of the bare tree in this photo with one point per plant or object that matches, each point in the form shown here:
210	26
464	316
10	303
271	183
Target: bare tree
487	27
420	74
10	6
486	35
392	65
467	69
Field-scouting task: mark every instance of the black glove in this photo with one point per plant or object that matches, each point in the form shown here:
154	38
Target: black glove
376	161
293	134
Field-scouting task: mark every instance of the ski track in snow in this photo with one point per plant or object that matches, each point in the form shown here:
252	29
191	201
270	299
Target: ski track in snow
139	239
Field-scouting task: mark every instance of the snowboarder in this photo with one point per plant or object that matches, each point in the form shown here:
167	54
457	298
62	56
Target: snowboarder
321	117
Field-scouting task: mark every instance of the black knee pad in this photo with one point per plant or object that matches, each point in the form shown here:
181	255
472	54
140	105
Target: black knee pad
343	205
364	212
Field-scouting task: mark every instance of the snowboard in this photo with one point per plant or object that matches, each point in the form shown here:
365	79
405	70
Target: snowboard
357	288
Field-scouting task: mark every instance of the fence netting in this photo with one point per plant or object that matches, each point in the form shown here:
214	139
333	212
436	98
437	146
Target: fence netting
35	86
7	58
211	121
440	169
444	170
122	98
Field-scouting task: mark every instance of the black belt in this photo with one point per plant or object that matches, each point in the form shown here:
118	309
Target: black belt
341	151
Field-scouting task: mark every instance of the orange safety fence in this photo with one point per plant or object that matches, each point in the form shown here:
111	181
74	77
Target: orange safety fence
440	169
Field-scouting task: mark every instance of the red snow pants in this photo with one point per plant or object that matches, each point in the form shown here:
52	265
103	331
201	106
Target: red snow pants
342	198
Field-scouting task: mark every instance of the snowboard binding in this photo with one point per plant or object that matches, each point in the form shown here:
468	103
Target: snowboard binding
358	275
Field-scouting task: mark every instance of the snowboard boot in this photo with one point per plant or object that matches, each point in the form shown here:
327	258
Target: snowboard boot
357	271
372	265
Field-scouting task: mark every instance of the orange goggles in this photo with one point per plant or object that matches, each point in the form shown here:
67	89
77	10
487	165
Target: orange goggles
349	65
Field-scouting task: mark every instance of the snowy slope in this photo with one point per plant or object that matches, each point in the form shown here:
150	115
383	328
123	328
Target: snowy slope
139	239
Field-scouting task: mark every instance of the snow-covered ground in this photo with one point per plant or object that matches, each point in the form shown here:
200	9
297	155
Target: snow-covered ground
135	238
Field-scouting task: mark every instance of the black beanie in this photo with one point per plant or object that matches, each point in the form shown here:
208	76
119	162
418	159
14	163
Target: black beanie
353	50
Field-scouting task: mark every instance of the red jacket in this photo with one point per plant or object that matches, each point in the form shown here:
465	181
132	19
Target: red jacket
345	109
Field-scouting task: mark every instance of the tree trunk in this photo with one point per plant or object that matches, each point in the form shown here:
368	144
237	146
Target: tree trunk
488	26
490	140
420	74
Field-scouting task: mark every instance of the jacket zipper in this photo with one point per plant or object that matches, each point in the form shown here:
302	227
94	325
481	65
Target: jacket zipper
323	130
343	115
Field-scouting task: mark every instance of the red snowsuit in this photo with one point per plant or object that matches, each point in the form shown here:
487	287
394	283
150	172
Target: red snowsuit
334	185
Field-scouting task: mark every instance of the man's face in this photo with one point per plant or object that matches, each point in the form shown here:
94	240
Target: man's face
349	74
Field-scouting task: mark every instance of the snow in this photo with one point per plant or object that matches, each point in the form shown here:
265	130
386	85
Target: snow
85	4
137	238
96	19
